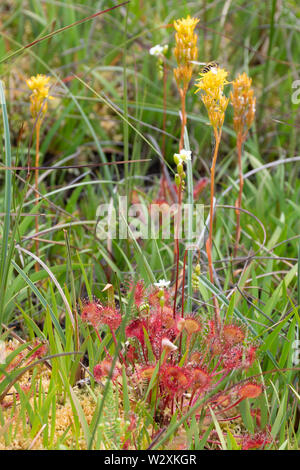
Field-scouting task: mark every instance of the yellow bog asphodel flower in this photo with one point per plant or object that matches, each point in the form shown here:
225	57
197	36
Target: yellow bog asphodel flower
243	102
39	85
211	85
185	50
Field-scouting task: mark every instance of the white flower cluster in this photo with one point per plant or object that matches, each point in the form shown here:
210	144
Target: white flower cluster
183	156
162	284
158	50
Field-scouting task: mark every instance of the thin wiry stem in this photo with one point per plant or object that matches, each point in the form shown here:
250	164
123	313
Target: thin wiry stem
239	145
182	92
210	236
36	186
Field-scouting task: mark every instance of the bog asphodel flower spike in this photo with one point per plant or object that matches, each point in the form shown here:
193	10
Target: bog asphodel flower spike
243	102
39	85
211	86
185	52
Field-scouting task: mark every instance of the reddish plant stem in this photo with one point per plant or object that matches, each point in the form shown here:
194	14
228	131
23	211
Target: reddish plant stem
224	410
238	203
100	340
163	145
116	345
182	92
178	222
36	186
182	300
210	236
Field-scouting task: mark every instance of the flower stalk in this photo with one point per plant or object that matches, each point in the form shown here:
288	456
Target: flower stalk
211	86
243	102
39	85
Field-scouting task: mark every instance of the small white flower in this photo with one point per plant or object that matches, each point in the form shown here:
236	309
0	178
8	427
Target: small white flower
157	50
184	155
162	284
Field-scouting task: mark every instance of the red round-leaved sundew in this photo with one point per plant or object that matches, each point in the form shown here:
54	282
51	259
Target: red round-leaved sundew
132	354
233	334
41	351
110	316
154	298
233	358
147	372
96	314
176	379
222	400
192	325
135	329
200	379
139	293
98	372
250	390
103	369
256	415
216	346
196	358
167	319
250	356
91	313
255	441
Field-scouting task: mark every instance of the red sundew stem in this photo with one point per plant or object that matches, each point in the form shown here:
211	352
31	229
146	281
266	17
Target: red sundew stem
177	247
205	354
217	373
191	399
222	378
117	346
217	365
100	340
230	419
183	282
229	407
158	374
215	385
